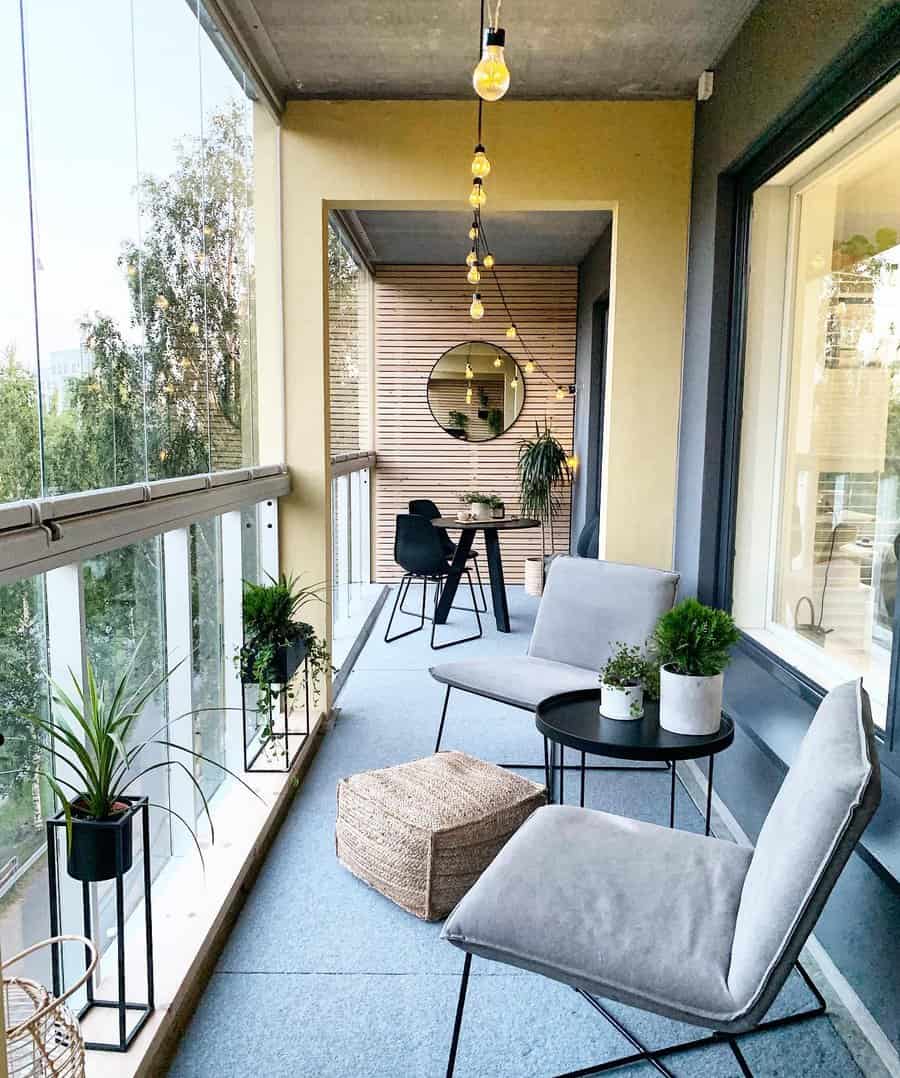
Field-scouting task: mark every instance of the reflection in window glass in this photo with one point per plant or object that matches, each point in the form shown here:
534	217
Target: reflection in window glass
348	349
24	799
208	660
20	464
836	526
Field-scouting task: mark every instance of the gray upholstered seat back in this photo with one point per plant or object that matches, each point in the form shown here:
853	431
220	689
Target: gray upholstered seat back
588	605
822	808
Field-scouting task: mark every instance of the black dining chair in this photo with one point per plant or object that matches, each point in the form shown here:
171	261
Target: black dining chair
425	507
419	552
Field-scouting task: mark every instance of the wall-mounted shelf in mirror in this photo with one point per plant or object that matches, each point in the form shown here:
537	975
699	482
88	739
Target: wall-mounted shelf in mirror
476	391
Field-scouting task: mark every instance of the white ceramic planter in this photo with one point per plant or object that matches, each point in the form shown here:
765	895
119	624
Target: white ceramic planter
624	702
690	705
481	511
534	576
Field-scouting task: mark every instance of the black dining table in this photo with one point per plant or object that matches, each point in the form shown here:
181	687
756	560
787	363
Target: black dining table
468	530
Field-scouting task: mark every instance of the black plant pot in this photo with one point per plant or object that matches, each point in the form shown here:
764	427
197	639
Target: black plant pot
101	849
285	662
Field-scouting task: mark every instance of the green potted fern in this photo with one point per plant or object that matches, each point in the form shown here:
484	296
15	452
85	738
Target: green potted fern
90	735
693	645
543	472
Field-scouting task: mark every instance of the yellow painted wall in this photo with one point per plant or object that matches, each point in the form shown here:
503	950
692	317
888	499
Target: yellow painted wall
631	157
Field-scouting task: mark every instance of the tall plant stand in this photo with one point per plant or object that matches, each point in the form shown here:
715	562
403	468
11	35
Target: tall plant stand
121	1004
287	742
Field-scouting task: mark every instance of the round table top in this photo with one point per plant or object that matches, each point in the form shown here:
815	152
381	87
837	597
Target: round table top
573	719
501	523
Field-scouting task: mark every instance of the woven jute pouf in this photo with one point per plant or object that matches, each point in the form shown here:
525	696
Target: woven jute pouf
422	833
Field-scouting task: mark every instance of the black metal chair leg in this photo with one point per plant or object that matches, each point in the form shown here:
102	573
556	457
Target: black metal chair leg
457	1025
480	588
465	639
739	1056
437	744
398	602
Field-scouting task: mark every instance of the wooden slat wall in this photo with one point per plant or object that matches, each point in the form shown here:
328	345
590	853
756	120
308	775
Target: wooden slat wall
420	312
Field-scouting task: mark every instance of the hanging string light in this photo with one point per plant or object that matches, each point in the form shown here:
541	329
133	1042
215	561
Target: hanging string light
468	394
491	75
488	261
481	166
470	374
473	276
477	308
477	196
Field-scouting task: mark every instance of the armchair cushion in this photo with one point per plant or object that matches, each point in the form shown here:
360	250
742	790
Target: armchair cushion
623	909
519	680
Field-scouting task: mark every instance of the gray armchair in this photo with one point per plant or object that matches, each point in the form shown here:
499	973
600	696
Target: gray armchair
587	606
693	928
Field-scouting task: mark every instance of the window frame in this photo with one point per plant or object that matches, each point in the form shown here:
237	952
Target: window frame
868	66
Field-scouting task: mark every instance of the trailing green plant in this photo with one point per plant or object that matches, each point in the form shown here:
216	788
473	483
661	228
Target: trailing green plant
89	734
271	623
629	665
694	639
543	472
458	420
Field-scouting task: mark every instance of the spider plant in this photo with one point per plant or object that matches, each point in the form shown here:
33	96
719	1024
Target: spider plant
90	736
543	471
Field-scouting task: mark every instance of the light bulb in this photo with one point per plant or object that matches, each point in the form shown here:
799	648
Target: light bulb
491	75
529	367
473	276
473	232
498	362
572	462
477	197
469	372
488	262
560	393
481	166
477	308
471	258
514	384
468	395
511	333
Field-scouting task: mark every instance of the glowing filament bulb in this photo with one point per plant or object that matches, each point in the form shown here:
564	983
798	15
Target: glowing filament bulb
473	276
473	232
514	384
572	462
477	308
469	372
511	333
491	75
529	367
468	394
560	393
488	262
481	166
477	196
498	362
471	258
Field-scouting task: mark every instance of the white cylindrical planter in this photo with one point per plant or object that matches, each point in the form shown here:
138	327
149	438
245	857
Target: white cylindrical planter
534	576
690	705
481	511
622	702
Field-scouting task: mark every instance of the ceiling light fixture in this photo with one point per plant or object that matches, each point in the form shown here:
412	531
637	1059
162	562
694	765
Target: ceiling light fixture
491	75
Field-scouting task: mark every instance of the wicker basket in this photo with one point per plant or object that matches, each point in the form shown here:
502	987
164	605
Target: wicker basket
43	1038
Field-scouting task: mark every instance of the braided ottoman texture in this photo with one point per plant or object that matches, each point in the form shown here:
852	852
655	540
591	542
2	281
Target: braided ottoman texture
422	833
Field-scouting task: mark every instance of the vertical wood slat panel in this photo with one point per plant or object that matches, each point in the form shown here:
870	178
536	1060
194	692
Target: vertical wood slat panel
420	312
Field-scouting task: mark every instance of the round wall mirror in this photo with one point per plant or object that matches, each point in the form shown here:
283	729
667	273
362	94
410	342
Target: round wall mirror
476	391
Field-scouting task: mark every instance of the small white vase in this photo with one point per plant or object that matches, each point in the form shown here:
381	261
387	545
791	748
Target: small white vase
623	702
690	705
481	511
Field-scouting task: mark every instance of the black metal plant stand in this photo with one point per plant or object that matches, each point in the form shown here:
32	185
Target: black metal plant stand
121	1004
288	741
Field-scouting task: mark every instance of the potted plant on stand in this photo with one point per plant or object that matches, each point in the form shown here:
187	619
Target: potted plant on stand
624	681
276	644
543	472
693	645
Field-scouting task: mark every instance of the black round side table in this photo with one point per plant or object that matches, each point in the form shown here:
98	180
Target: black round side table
573	720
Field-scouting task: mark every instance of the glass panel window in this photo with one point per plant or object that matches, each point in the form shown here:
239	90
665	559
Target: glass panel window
348	349
829	543
207	654
24	799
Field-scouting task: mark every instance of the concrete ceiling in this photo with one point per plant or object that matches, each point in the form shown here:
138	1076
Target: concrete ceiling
387	49
441	237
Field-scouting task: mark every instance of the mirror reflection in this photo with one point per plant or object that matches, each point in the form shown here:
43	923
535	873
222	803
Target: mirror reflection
476	391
